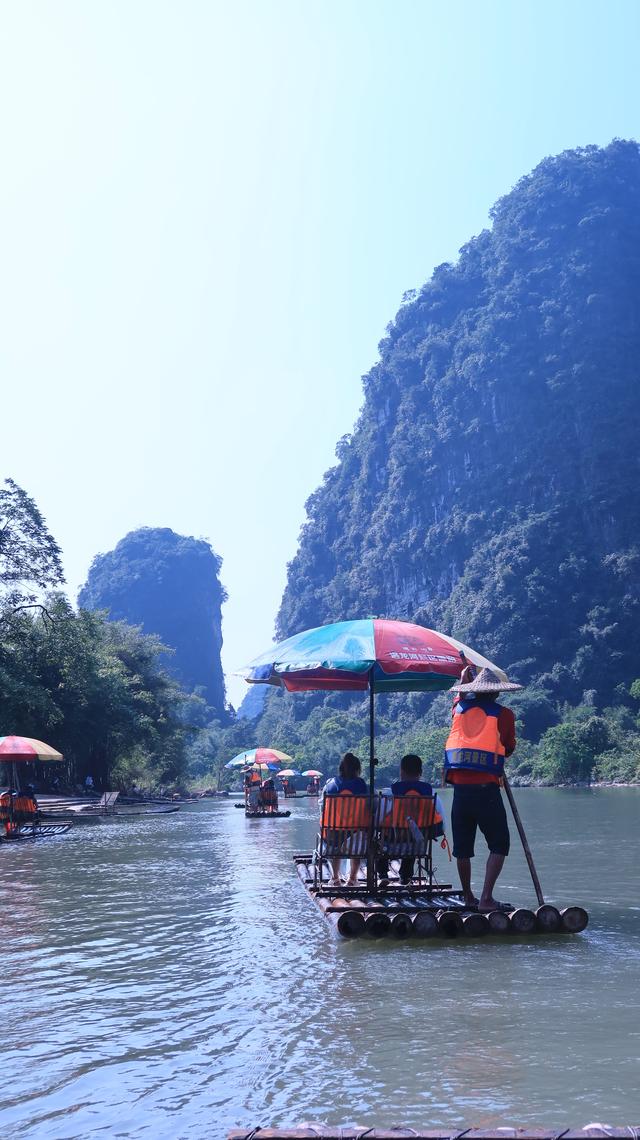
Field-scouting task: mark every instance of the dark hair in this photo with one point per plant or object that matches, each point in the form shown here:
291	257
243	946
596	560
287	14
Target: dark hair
411	765
349	766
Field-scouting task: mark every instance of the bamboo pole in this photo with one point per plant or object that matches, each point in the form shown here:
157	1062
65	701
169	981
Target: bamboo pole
475	925
377	923
401	926
574	919
548	919
523	921
449	923
499	922
425	924
525	845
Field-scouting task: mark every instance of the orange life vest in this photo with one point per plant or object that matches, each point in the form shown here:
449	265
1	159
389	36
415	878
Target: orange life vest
421	809
474	742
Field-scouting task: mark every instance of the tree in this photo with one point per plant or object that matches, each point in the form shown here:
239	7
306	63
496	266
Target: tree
30	559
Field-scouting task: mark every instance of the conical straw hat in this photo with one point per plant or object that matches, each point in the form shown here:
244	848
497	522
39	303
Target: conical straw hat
488	682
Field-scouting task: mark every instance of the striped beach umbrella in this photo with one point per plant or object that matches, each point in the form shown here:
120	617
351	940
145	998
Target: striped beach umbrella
377	655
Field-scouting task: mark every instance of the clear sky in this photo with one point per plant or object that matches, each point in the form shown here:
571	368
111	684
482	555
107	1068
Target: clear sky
209	213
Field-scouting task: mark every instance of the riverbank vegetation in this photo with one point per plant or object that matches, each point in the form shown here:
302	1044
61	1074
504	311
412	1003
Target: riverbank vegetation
98	690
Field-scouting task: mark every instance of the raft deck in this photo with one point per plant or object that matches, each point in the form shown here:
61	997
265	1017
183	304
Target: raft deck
423	911
35	831
265	814
320	1131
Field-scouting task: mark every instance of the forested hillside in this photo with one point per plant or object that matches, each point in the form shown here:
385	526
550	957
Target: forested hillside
169	585
489	487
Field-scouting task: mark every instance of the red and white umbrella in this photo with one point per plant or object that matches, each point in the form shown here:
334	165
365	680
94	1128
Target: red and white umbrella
26	748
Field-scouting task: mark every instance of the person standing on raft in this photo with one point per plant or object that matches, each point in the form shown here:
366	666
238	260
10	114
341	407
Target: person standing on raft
482	736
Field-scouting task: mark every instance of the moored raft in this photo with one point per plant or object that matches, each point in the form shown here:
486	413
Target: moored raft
34	831
265	814
424	912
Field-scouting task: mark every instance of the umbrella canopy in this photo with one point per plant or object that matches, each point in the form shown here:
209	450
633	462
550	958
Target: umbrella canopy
289	772
26	748
312	772
374	653
260	766
259	756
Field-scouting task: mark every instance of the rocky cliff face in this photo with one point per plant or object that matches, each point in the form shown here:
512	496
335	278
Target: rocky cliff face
490	487
170	585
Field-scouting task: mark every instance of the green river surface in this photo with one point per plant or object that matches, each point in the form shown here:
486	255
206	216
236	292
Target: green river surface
169	977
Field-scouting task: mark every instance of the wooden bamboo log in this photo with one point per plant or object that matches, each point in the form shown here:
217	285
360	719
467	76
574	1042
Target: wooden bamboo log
348	922
377	924
499	922
401	926
475	925
574	919
449	923
508	1132
548	919
425	924
523	921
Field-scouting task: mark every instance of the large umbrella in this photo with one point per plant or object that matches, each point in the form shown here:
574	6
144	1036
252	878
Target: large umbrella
313	772
261	766
257	756
13	748
26	748
288	773
373	654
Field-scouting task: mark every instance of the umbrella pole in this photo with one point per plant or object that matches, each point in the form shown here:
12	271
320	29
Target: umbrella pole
14	776
525	845
371	874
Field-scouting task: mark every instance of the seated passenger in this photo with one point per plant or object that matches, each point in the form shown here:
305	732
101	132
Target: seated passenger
410	783
269	795
348	781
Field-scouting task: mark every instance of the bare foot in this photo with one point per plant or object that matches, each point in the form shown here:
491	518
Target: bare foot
336	882
351	883
487	905
470	900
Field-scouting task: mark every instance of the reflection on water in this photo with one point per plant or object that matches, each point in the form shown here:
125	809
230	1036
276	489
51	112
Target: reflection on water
168	977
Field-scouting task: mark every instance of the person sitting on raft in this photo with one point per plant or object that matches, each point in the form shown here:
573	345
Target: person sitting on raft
483	735
347	780
410	783
269	795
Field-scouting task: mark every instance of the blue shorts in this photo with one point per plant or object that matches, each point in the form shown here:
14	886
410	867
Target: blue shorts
478	806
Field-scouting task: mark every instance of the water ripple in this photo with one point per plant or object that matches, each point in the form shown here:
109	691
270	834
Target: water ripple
169	978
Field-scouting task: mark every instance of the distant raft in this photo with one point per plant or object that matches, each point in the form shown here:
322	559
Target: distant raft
425	911
265	814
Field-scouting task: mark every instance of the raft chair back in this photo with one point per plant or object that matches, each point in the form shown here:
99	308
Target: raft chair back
269	799
408	826
345	829
107	802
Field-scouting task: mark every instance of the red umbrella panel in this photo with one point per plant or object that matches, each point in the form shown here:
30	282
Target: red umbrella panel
26	748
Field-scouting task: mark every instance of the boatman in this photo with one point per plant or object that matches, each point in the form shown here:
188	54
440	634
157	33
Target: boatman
482	736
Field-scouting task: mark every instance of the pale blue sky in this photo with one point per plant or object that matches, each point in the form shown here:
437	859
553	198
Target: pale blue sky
210	212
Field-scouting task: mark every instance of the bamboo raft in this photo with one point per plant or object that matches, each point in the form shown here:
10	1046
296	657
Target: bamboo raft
262	814
35	831
265	814
320	1131
413	911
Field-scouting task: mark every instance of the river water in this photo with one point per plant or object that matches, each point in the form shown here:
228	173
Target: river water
168	977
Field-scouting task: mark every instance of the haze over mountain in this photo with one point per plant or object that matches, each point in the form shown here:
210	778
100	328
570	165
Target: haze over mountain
168	584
